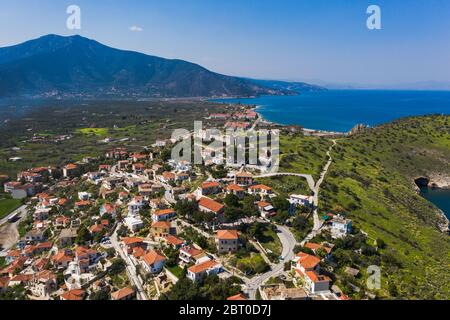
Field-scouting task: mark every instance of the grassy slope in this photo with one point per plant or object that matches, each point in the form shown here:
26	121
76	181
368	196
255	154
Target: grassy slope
305	155
7	206
372	180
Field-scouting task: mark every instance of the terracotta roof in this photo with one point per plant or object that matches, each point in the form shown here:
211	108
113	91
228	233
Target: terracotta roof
164	212
76	294
161	224
235	187
174	240
44	245
244	175
210	204
82	203
71	166
21	278
169	175
191	251
260	186
96	228
153	257
315	277
211	184
127	241
81	251
263	204
62	201
239	296
138	252
308	261
227	234
202	267
61	256
122	293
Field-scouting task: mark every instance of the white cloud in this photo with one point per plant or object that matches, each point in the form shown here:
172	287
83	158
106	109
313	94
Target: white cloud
136	29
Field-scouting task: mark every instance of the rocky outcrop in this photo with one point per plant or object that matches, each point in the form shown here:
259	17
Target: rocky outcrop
358	129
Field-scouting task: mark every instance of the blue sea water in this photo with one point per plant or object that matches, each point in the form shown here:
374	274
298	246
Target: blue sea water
441	198
341	110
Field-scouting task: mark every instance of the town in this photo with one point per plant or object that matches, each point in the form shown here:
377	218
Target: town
141	225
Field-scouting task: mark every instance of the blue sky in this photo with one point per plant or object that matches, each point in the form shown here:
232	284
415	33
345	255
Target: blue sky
276	39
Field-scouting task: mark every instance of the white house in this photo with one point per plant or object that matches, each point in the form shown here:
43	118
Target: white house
199	271
134	222
163	215
153	262
340	226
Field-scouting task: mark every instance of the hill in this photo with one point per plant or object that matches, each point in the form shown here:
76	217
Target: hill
372	180
55	65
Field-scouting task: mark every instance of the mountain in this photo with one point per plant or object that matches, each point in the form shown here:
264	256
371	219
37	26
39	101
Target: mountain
297	87
57	65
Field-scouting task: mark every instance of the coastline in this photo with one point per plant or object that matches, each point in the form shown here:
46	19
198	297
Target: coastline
308	131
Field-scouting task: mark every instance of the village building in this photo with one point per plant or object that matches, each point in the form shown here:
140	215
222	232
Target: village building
153	262
199	271
227	241
163	215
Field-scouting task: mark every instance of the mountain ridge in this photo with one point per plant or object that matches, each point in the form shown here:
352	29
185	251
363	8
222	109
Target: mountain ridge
58	65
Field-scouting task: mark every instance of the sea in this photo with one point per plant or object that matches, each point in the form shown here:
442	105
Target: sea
341	110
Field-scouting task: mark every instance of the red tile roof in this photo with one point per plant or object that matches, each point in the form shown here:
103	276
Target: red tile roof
161	224
235	187
76	294
202	267
227	235
174	240
308	261
152	257
122	293
164	212
239	296
210	204
210	184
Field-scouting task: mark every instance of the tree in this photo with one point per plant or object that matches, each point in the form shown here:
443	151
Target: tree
248	205
280	203
232	200
233	213
83	235
117	266
99	295
14	293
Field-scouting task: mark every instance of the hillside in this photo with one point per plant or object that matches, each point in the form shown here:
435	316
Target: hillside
56	65
372	180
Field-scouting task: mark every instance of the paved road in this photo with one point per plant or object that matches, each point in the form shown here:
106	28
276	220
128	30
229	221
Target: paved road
288	242
9	235
21	209
131	269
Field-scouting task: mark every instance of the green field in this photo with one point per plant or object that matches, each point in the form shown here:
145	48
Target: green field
7	206
94	131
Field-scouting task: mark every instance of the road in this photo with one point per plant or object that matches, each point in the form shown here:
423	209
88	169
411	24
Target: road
9	235
21	209
288	242
131	269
